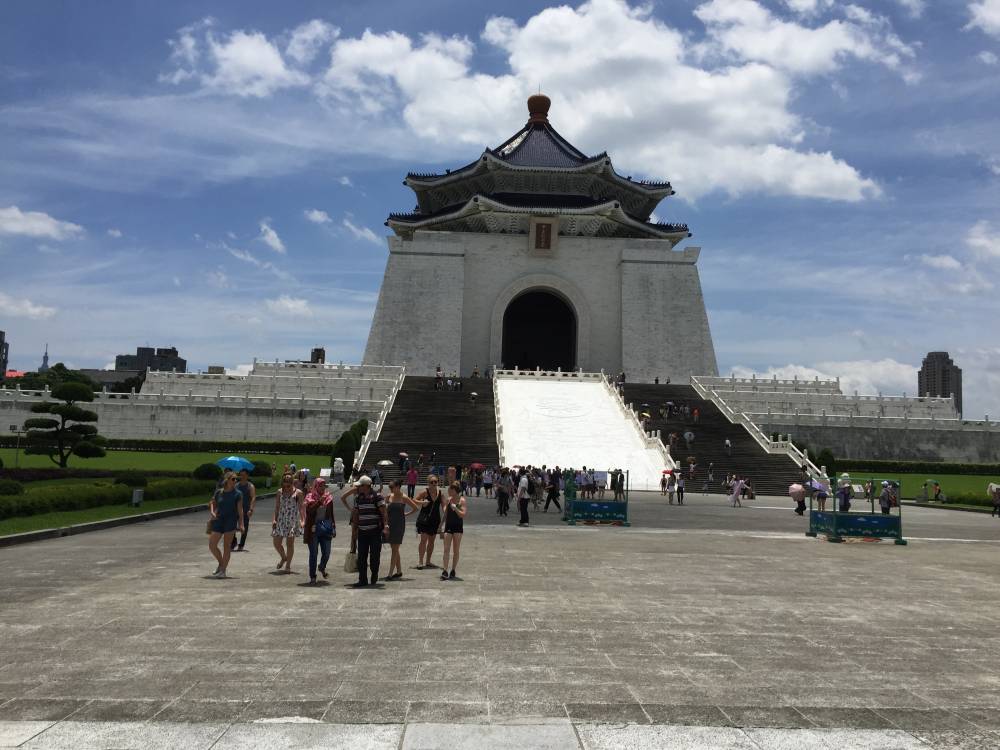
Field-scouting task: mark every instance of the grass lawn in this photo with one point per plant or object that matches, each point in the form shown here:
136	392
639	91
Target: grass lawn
68	518
951	484
151	461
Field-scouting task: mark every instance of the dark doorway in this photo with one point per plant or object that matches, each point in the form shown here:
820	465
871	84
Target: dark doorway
539	330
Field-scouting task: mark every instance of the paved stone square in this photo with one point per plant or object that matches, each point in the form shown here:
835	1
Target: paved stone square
699	626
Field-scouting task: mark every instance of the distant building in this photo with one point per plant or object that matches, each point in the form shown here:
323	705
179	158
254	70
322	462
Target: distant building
939	376
4	353
216	370
45	360
148	358
109	378
318	356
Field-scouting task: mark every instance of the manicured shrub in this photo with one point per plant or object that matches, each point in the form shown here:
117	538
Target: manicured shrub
131	479
67	498
204	446
207	471
261	469
10	487
930	468
39	474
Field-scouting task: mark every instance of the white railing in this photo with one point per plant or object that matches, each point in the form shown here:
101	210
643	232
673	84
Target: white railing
373	431
785	447
794	385
569	376
496	418
879	422
650	439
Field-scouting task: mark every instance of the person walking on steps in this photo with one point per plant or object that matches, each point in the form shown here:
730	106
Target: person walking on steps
454	516
398	507
320	528
428	520
249	492
226	510
287	522
373	525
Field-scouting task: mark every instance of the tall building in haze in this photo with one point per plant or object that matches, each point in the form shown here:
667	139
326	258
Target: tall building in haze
939	376
4	353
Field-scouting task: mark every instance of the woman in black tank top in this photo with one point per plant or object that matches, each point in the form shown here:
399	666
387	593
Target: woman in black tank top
428	520
454	517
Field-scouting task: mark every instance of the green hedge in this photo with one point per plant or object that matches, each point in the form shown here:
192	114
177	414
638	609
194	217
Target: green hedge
969	498
202	446
131	479
49	499
11	487
207	471
930	468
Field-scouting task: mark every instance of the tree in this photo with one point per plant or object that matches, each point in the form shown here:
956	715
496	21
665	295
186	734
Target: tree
54	376
70	429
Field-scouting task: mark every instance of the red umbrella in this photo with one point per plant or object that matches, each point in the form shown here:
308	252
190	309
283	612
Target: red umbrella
476	466
668	471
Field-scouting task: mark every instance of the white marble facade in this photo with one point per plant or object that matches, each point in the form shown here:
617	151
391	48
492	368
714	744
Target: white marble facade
638	303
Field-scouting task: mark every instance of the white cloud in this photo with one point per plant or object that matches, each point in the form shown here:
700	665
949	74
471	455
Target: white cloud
218	279
116	233
270	238
242	63
177	281
345	181
307	40
14	221
317	217
914	7
750	32
984	241
362	233
251	259
988	58
867	377
241	370
290	306
809	7
986	16
24	308
942	262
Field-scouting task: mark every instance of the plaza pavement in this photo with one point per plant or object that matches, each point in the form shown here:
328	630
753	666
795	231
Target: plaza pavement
700	626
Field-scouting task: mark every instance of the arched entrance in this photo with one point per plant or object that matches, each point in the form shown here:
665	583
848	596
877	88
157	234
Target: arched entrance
539	330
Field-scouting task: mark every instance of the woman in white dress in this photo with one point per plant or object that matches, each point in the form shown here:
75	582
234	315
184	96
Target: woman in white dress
287	521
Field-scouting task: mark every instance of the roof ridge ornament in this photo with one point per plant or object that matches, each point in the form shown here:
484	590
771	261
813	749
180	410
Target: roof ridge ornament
538	108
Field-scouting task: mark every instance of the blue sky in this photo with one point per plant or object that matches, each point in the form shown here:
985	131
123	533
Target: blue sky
215	176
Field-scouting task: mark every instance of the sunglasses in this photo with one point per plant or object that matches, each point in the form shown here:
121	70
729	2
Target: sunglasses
434	481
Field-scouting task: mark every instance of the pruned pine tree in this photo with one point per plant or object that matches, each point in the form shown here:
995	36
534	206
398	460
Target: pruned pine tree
69	430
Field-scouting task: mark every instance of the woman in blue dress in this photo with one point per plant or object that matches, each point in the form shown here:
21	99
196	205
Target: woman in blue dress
226	509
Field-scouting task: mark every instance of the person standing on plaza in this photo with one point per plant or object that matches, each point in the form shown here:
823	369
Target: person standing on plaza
885	499
398	507
320	528
411	482
287	522
736	489
454	517
338	472
552	491
663	484
428	520
523	497
680	489
488	481
226	510
373	525
671	487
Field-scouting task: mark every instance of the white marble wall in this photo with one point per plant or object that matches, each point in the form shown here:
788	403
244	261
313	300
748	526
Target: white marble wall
444	295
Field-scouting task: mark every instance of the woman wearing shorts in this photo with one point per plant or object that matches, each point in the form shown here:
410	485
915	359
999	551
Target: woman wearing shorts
429	520
226	508
454	514
287	522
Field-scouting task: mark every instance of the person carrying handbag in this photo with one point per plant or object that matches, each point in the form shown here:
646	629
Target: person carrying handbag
320	527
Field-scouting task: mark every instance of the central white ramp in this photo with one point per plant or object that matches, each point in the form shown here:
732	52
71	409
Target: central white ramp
573	420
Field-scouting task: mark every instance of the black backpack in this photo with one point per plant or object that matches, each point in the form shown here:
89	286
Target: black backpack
531	485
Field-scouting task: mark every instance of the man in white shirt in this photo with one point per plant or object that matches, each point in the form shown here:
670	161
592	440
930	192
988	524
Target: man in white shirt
523	497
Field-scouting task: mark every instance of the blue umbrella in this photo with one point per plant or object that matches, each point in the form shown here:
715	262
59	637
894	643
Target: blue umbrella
235	463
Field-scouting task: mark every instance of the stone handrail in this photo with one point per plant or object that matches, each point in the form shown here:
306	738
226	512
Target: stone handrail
539	374
879	422
650	439
373	432
496	419
785	447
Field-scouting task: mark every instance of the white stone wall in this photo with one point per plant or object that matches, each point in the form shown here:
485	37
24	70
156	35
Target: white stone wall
665	329
423	318
418	317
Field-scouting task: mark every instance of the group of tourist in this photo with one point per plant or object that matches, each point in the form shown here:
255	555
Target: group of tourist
304	507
